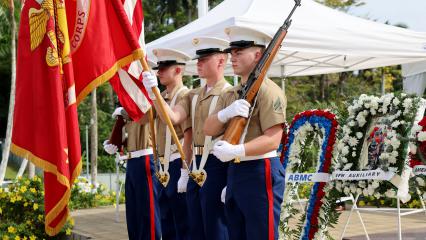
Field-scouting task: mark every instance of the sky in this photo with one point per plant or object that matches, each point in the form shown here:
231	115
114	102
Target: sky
410	12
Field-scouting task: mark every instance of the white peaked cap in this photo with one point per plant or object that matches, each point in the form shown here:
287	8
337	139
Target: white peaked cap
239	34
167	54
208	45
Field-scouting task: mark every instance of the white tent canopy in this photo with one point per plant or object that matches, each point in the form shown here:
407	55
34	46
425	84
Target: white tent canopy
414	77
320	40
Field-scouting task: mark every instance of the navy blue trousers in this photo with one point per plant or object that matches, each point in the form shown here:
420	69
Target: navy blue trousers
253	199
174	213
142	191
206	211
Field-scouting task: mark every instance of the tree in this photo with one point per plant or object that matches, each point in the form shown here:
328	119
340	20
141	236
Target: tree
8	139
94	138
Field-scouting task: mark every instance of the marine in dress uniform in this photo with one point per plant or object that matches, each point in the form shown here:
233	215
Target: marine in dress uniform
174	215
255	185
141	185
206	212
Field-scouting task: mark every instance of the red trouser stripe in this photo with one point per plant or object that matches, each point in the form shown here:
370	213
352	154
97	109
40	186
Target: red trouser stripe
268	176
151	196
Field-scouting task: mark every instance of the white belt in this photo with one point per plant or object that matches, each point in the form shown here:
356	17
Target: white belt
136	154
270	154
174	156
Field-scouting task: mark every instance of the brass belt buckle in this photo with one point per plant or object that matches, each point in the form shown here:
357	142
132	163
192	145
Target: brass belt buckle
237	160
129	155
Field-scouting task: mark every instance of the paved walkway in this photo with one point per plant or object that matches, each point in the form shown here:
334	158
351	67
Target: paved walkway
100	223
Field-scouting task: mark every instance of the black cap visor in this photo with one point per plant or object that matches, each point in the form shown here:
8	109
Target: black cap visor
168	63
241	45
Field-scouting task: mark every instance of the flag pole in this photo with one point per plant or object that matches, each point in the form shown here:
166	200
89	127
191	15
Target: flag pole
166	117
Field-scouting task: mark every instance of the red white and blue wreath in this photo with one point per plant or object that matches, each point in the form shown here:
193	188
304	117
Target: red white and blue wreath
418	158
314	223
376	136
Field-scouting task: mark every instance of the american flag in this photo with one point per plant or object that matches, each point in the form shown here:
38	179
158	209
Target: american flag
130	91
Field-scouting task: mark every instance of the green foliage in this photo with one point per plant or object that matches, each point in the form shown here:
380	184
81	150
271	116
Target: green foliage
22	211
304	93
85	195
165	16
22	207
342	5
105	108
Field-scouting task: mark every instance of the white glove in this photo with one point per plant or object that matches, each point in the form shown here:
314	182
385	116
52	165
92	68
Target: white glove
110	148
226	151
223	195
183	180
239	107
149	81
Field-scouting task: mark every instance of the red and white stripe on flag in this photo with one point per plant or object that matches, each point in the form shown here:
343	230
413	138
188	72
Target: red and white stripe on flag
126	84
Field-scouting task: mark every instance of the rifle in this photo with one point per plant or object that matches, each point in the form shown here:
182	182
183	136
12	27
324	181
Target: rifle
117	132
236	126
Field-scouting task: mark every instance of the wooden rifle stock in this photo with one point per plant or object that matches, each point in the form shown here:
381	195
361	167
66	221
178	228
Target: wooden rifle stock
116	137
236	126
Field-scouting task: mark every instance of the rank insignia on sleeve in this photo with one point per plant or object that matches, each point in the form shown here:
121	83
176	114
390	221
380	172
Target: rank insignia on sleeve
278	105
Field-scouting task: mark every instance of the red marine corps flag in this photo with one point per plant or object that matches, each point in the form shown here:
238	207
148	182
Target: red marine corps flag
45	127
98	38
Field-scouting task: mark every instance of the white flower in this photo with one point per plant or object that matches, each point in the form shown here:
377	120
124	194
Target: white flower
421	136
352	187
370	191
377	195
375	184
396	102
394	153
340	145
346	130
396	123
346	190
395	143
352	123
345	150
365	192
344	160
362	184
424	195
359	135
408	102
361	119
420	181
353	154
390	193
353	141
413	148
392	159
359	191
347	166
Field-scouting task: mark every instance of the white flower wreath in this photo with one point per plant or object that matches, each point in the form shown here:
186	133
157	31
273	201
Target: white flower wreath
386	122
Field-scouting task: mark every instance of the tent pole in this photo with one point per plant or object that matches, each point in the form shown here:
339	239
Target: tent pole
283	78
203	7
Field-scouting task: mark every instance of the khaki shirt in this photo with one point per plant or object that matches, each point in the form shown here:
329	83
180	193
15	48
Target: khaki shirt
161	126
201	109
137	136
268	111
